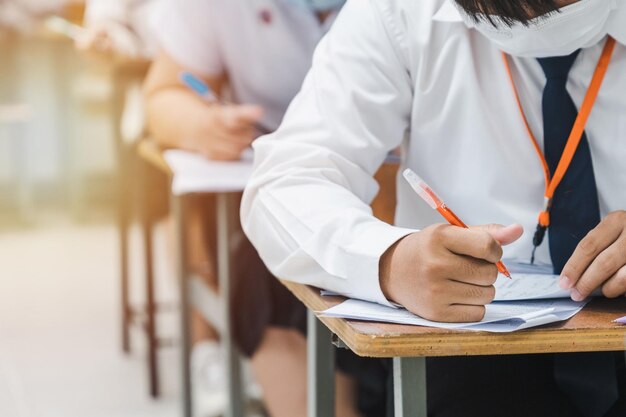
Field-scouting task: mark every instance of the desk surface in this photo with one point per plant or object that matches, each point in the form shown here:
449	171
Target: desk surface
153	154
591	330
194	174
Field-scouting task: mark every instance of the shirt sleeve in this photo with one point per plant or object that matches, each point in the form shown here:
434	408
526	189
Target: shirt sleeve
306	209
185	30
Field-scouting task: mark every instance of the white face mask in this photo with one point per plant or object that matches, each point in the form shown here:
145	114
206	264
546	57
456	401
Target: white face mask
319	5
579	25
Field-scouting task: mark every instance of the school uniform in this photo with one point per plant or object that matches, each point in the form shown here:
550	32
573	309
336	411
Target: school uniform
413	74
265	49
133	15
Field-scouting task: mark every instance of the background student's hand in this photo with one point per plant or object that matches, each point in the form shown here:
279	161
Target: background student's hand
226	131
108	38
446	273
599	260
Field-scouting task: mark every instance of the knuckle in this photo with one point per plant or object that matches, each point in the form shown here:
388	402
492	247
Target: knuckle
431	312
616	217
473	292
605	263
584	287
609	291
588	246
491	273
434	268
437	289
467	268
616	286
474	314
438	231
490	247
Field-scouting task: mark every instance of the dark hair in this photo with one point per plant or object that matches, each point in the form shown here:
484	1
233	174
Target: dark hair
509	11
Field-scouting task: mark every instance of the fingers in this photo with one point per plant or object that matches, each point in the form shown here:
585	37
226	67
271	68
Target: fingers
468	294
616	285
504	234
466	269
602	268
241	117
476	243
223	151
589	248
465	313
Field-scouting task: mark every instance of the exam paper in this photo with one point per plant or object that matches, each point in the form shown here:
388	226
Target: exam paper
194	173
529	287
500	317
530	282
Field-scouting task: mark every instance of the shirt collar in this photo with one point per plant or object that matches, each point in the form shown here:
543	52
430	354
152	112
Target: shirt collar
616	25
448	13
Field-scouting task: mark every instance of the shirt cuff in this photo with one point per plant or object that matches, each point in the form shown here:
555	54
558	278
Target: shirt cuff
363	271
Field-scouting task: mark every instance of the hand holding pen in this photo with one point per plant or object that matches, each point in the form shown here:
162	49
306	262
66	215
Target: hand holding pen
445	273
205	92
222	131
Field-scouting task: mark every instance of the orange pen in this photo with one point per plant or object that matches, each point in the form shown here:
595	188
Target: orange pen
432	199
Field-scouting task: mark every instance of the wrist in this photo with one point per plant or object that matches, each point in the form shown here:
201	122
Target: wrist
386	271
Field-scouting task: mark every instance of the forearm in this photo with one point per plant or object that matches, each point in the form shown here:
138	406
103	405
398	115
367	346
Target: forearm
175	118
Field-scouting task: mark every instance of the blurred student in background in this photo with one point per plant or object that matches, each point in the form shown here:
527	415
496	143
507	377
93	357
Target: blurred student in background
119	27
254	53
24	15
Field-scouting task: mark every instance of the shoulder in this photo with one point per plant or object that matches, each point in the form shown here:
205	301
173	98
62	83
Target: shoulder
419	27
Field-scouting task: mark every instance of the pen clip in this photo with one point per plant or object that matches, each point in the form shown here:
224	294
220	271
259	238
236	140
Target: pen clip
422	189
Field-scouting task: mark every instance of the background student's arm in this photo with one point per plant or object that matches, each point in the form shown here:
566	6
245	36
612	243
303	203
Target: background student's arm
306	208
179	118
107	29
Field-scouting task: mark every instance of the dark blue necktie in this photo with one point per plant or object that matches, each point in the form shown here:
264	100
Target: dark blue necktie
589	378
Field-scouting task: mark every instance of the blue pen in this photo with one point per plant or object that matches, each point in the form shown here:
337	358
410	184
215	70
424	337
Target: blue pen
199	87
207	94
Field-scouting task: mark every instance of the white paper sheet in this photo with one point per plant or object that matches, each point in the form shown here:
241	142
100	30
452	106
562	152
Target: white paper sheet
194	173
500	317
530	282
529	287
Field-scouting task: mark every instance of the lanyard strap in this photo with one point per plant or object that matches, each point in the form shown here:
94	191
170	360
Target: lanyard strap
577	130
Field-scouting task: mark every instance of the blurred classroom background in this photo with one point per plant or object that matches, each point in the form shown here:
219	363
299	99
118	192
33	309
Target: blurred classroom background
60	310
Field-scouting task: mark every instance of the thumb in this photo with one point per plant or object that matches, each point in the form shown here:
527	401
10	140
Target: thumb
503	234
243	115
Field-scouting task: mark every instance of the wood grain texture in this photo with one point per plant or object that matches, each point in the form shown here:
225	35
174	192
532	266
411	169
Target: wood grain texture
591	330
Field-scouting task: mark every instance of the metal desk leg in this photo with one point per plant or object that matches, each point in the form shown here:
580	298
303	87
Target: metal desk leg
320	369
409	387
124	176
233	362
177	206
123	221
147	224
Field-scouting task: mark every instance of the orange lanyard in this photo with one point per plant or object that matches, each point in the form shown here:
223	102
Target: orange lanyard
577	131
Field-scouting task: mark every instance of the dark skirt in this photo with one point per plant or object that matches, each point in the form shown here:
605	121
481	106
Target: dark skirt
259	301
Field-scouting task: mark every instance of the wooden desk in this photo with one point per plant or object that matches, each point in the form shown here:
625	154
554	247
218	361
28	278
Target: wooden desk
193	292
591	330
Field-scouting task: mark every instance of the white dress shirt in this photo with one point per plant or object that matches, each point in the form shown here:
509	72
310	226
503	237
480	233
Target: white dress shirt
410	73
265	47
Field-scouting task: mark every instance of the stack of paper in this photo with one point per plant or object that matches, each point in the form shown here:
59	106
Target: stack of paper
529	299
194	173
